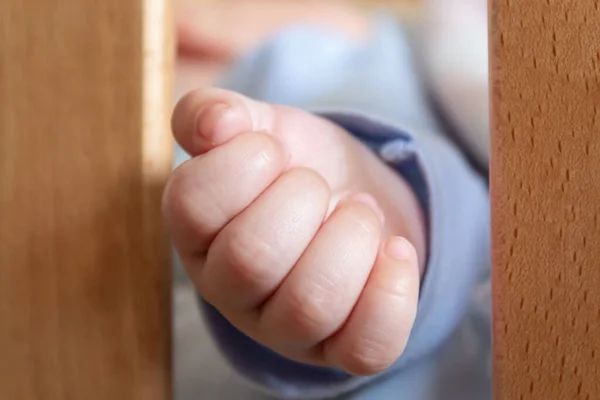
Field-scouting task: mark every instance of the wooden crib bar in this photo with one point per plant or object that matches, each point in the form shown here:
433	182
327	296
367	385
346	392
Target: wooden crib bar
84	151
545	67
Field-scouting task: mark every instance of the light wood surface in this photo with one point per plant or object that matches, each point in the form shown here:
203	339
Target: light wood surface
84	151
545	63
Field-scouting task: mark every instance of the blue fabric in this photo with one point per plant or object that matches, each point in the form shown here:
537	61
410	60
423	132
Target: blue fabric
375	92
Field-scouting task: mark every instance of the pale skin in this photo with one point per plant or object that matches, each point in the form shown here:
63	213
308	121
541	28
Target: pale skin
299	235
295	232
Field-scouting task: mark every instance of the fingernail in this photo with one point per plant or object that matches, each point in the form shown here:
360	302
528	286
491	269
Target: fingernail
207	121
368	200
398	248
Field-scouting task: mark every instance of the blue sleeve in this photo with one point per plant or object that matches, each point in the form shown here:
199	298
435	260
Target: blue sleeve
371	90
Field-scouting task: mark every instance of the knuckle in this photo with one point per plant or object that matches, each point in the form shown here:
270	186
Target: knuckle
367	357
308	188
359	220
195	213
263	151
399	291
312	315
308	178
250	258
175	204
366	221
174	186
187	205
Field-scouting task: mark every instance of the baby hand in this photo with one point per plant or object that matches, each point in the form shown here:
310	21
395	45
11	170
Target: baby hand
274	233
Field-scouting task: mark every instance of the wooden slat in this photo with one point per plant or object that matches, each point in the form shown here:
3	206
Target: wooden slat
545	64
84	151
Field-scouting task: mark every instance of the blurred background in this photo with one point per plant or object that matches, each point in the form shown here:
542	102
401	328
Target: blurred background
207	43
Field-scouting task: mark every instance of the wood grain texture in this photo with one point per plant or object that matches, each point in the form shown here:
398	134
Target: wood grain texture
84	151
545	66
